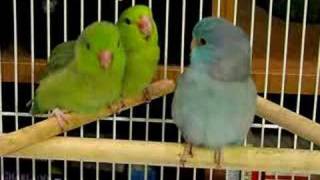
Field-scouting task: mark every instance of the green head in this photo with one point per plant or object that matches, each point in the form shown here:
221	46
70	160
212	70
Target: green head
137	27
97	47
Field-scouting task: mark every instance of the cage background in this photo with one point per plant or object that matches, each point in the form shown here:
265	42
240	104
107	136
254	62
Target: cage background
25	47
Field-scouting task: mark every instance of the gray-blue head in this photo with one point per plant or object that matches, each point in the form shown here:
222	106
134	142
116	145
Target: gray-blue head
222	48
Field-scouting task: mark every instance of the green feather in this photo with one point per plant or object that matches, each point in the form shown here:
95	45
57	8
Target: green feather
82	85
60	57
142	51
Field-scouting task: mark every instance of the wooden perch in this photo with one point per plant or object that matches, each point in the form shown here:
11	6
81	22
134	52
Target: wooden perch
48	128
289	120
158	153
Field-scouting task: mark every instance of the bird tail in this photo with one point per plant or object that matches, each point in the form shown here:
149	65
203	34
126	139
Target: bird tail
34	108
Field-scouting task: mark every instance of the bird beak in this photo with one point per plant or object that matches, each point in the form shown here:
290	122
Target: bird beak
145	25
105	58
193	43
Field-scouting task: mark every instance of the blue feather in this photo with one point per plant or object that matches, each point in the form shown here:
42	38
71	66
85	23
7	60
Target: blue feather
214	103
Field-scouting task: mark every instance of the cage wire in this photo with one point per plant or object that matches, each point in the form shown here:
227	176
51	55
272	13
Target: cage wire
284	37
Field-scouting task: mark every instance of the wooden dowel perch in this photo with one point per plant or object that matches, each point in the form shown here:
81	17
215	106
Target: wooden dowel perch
127	152
289	120
48	128
168	154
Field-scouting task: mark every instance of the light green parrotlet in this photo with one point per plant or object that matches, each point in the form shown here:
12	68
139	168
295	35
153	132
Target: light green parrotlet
139	36
85	80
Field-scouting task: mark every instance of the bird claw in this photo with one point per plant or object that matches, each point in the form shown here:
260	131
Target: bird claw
218	157
60	117
187	151
147	95
115	109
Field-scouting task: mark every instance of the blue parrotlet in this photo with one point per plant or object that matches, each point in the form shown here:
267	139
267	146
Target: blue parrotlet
215	99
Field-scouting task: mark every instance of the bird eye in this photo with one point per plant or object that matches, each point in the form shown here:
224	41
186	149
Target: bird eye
127	21
202	42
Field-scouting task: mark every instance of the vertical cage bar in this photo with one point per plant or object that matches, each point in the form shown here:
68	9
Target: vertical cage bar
65	38
98	121
130	138
235	12
183	26
266	80
200	9
210	174
99	10
48	55
32	72
145	172
147	117
165	67
253	12
15	44
114	136
284	70
284	66
252	20
48	28
150	4
114	123
81	29
194	177
164	100
81	14
116	12
218	8
65	21
200	17
303	34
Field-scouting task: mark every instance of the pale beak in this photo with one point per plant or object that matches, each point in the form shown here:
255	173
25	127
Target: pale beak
105	58
145	25
193	43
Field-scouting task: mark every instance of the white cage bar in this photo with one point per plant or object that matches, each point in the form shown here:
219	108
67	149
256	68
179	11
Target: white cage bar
164	121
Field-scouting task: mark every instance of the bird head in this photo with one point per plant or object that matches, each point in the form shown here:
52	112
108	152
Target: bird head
137	26
97	47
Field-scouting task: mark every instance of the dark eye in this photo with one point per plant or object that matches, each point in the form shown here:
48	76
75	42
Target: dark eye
118	43
127	21
88	45
202	42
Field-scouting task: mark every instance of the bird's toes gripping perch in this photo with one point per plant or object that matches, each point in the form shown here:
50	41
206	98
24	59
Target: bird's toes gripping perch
60	116
116	109
147	95
218	154
187	152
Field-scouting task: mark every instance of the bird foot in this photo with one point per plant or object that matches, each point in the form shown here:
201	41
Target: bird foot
147	95
60	116
187	152
218	157
115	109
